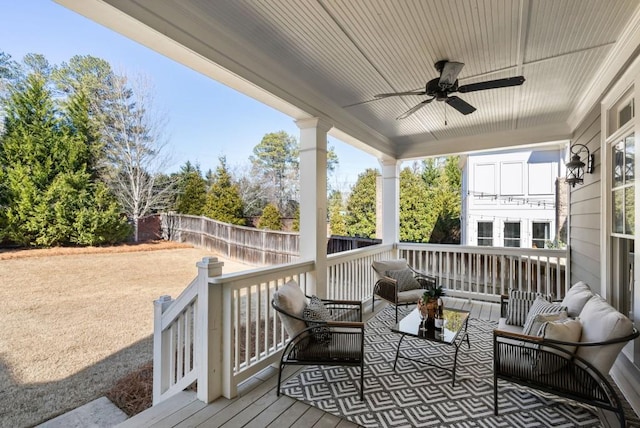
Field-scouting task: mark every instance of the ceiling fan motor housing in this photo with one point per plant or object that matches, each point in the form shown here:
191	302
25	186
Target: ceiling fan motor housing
433	89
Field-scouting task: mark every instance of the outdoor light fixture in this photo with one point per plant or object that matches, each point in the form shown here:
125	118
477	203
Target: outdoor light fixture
576	167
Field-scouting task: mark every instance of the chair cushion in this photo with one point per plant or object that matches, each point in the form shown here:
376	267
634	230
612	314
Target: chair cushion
404	277
540	306
576	298
292	300
566	330
316	310
519	304
601	322
381	266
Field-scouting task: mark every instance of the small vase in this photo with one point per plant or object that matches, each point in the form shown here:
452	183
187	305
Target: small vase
432	307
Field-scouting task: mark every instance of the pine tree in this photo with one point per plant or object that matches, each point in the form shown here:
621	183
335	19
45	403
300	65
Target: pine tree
29	156
361	206
223	201
296	220
192	193
337	220
446	195
49	192
271	218
275	160
417	217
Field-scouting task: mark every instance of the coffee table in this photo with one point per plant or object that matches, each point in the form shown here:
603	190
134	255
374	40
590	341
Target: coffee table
453	333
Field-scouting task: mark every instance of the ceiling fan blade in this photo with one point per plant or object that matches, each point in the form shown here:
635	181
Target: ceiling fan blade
414	109
492	84
450	73
461	105
396	94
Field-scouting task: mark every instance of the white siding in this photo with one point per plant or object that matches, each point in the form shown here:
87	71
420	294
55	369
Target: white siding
585	210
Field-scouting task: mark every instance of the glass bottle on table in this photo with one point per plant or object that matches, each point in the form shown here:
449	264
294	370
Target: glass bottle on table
439	321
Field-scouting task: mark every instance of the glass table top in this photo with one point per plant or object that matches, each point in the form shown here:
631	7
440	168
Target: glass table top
454	322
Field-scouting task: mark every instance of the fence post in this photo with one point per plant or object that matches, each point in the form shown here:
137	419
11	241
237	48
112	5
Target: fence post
161	349
209	331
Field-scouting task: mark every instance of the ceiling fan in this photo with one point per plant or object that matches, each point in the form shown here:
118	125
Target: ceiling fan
440	88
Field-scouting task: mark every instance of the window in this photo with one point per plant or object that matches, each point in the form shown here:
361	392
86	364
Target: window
623	185
511	234
485	234
620	114
540	234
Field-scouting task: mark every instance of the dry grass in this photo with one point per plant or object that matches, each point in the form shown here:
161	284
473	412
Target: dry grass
134	392
77	320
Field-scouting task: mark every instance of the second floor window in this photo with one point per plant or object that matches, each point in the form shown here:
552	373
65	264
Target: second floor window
511	234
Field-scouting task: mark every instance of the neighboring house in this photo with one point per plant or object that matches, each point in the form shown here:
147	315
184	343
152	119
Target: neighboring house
509	197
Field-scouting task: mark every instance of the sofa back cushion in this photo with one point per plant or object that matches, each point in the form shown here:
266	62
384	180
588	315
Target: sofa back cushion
601	322
576	298
292	300
380	267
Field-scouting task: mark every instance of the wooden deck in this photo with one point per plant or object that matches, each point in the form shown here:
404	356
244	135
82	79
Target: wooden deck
257	404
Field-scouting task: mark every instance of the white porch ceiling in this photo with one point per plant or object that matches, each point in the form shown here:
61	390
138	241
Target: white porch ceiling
328	58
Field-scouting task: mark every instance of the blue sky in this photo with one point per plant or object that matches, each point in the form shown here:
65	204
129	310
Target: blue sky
206	118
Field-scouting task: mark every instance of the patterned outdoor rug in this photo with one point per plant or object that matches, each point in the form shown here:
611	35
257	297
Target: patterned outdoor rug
417	395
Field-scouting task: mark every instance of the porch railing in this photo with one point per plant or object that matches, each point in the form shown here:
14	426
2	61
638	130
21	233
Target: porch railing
222	329
487	272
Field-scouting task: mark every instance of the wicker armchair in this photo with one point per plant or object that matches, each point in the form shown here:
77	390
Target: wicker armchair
390	289
335	342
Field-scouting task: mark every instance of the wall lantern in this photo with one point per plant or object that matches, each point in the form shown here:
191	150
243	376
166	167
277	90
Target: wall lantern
576	167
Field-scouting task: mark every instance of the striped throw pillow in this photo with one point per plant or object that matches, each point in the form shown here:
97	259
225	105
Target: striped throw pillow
541	306
519	304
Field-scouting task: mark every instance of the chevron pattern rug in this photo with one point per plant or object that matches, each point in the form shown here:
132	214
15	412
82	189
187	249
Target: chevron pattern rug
416	395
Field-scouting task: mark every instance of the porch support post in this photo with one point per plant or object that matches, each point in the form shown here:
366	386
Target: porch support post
313	200
390	201
209	337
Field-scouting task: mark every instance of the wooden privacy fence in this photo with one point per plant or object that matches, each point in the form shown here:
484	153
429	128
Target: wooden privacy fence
247	244
254	246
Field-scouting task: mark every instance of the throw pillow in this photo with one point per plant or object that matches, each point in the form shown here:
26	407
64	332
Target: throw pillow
566	330
519	304
381	266
317	311
540	319
540	306
405	279
576	298
291	300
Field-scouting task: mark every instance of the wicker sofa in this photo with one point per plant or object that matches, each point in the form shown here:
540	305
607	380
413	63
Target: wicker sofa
545	360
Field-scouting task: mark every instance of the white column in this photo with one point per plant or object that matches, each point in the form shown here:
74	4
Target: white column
209	344
313	200
390	201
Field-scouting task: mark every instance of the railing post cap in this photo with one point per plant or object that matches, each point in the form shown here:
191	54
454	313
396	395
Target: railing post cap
164	298
207	261
212	265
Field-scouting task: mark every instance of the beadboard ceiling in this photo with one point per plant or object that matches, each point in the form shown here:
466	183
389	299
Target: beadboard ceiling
328	58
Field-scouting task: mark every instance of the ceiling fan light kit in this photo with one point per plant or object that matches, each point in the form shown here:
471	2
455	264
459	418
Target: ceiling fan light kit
440	88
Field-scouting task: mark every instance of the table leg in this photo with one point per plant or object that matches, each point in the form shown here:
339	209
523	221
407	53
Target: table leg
397	352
